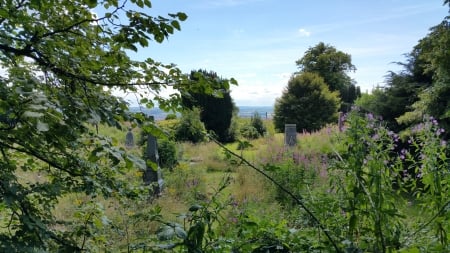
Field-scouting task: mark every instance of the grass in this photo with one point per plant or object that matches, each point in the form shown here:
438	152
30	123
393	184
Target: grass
201	169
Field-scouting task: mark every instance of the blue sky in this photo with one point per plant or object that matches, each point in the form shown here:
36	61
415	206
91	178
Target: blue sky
258	41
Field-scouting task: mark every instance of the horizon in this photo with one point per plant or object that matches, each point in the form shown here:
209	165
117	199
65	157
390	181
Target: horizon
257	42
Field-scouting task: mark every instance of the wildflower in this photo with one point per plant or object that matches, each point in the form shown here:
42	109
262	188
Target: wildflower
405	173
443	143
440	131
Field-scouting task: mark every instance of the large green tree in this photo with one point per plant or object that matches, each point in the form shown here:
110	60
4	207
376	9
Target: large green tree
59	61
216	108
306	102
332	65
433	56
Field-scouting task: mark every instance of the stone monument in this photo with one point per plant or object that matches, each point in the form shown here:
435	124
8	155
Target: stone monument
290	135
129	139
152	174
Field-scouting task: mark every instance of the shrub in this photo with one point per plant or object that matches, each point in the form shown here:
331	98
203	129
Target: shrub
190	128
258	124
249	132
171	116
167	154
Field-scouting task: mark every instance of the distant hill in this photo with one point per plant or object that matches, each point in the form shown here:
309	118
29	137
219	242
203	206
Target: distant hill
244	111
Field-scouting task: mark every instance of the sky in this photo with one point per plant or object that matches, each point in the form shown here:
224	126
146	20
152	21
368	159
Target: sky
257	42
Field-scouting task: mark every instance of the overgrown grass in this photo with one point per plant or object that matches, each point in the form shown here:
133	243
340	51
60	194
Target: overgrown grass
301	169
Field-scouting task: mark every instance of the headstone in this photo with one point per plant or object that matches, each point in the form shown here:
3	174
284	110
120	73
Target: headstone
152	174
340	121
129	139
290	135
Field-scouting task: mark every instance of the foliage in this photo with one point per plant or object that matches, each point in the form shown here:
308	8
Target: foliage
369	179
306	102
171	116
332	65
186	183
216	109
167	151
295	171
190	127
423	87
60	63
249	132
258	124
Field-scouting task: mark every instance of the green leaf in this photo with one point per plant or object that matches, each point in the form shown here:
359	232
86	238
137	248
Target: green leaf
148	3
4	13
165	233
140	3
194	208
176	25
180	233
182	16
91	3
41	126
31	114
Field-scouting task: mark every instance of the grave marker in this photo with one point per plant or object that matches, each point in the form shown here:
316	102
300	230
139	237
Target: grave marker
129	139
290	135
152	174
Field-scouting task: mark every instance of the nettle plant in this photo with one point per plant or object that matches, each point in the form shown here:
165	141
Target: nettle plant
371	179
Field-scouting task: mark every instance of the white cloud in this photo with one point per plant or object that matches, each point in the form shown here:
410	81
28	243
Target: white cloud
304	33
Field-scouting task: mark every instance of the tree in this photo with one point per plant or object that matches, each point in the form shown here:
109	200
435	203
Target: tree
332	65
216	108
306	102
394	100
59	62
433	57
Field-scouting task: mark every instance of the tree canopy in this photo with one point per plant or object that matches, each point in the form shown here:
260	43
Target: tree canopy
332	65
306	102
216	108
59	61
421	88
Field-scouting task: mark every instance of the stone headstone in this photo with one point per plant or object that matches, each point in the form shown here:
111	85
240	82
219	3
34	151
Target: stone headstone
290	135
152	174
129	139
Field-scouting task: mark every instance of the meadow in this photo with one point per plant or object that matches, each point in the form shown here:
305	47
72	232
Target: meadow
333	192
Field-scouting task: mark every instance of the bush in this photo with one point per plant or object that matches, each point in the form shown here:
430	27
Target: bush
190	128
171	116
258	124
167	154
249	132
